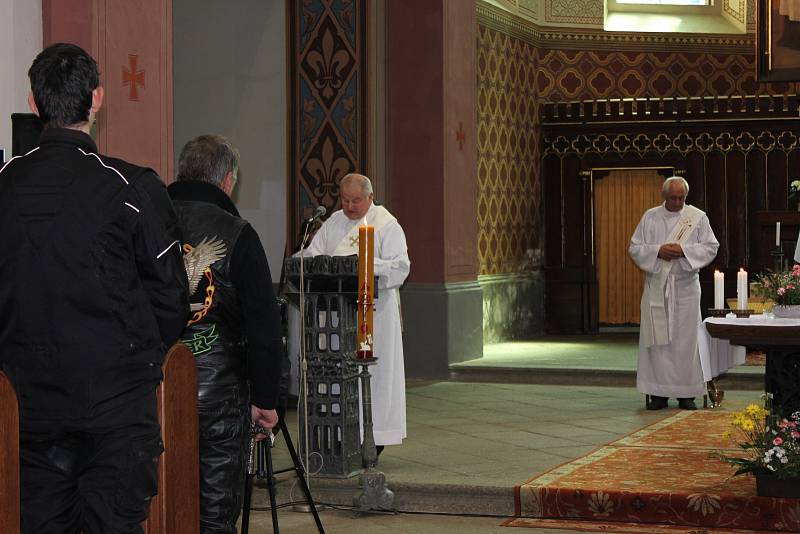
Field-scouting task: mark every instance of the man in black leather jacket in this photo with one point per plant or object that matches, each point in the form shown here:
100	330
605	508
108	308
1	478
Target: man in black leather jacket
92	294
234	332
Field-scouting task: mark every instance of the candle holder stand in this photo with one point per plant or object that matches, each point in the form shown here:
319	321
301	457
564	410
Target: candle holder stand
743	314
718	312
715	393
777	259
374	493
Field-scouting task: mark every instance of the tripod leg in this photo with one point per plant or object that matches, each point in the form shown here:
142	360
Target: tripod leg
298	467
271	487
248	497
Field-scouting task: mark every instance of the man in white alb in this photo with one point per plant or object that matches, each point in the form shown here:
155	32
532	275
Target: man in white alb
338	236
671	244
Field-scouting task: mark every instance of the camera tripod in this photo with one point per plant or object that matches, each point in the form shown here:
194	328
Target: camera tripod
259	464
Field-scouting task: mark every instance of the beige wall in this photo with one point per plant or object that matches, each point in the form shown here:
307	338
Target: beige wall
20	41
229	65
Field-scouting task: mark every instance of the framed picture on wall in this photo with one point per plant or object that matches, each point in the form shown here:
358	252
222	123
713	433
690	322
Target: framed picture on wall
778	40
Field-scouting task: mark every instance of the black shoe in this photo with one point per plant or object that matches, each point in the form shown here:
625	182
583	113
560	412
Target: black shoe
687	404
657	403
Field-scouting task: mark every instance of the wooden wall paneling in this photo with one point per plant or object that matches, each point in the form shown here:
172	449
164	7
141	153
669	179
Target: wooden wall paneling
755	166
693	165
551	193
566	289
591	293
573	206
738	171
758	253
716	209
793	170
737	208
777	186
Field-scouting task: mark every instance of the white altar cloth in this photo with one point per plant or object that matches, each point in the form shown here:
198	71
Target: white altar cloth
718	355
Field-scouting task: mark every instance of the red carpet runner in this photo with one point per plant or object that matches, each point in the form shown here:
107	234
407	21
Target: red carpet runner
662	474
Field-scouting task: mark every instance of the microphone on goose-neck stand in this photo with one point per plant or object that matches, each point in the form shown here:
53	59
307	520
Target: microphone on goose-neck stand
320	211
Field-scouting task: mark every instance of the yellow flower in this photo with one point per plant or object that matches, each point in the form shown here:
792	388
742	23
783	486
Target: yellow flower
727	434
752	410
738	420
748	425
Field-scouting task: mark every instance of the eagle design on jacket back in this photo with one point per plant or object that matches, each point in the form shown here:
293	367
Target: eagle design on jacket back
198	261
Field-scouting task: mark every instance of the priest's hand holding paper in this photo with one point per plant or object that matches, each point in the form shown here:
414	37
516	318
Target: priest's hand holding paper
670	251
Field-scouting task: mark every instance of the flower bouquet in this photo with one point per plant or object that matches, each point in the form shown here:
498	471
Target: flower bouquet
771	446
782	288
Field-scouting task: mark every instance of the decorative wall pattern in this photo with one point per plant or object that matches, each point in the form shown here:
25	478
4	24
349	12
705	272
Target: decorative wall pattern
327	102
737	9
588	12
589	75
514	75
642	144
508	162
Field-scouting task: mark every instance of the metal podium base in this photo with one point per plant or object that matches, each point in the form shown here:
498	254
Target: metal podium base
374	493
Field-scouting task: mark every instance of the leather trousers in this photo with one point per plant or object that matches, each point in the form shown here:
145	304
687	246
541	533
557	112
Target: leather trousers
224	437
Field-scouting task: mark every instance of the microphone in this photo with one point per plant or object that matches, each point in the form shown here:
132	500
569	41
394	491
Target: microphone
319	212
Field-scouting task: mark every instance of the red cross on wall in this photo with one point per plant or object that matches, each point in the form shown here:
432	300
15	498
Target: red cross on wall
132	77
461	136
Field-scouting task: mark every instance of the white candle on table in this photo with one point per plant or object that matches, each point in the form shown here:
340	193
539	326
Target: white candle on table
719	290
778	234
741	289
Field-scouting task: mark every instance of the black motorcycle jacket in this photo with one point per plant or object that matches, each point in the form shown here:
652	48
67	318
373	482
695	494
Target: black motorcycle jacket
93	288
234	329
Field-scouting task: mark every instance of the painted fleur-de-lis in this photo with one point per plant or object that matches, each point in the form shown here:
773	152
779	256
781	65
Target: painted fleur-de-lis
328	65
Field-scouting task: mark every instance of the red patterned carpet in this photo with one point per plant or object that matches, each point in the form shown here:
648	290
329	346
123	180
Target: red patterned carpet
621	528
663	474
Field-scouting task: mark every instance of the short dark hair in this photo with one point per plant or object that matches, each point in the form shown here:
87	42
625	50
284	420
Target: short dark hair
63	77
207	158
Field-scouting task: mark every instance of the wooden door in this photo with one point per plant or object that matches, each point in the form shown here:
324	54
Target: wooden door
620	199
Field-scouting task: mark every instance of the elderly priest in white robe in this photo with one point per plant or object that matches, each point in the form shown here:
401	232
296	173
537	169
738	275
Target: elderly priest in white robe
338	236
671	244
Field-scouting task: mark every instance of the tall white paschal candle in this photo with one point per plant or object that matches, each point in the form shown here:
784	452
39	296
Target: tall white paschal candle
778	234
719	290
741	289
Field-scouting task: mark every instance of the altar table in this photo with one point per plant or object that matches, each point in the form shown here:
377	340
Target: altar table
781	340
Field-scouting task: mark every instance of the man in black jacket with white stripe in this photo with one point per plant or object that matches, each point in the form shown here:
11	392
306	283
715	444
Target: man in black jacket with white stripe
92	295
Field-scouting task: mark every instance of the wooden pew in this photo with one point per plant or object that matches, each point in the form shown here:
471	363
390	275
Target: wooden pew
176	508
9	458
